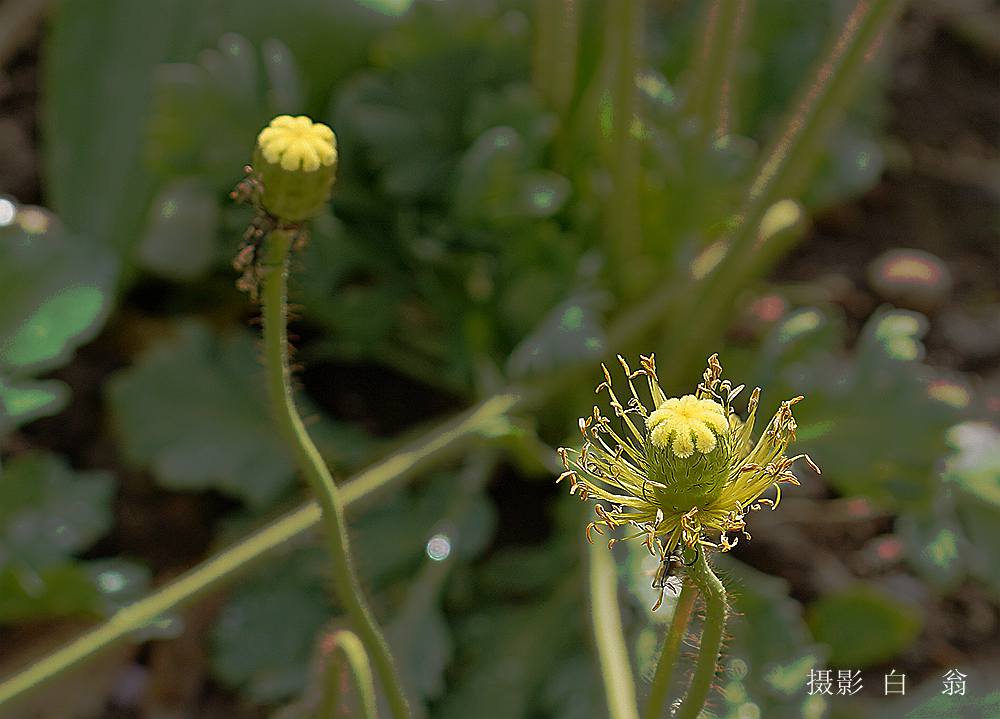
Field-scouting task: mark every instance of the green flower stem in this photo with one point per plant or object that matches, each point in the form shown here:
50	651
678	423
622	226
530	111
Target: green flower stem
555	48
714	626
715	64
671	651
709	106
424	591
348	652
346	584
624	222
221	569
820	104
543	47
428	449
619	686
784	164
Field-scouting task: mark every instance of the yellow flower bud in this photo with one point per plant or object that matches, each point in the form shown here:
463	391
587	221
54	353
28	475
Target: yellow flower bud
295	159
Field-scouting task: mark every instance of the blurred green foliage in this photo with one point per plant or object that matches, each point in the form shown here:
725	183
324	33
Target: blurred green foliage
874	400
54	296
463	249
886	625
194	410
48	514
974	472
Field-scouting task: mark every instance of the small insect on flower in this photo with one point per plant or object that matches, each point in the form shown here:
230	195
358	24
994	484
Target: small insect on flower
682	471
666	576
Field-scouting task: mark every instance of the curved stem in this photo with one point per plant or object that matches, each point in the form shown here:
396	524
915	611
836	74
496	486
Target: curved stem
230	563
345	581
670	652
704	578
347	645
430	448
619	686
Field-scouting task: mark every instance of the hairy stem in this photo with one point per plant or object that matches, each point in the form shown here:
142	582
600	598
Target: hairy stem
709	110
425	450
786	161
619	686
348	653
225	566
712	83
346	585
554	60
623	52
671	651
711	588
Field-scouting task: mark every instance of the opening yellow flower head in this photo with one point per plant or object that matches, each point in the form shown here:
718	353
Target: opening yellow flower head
298	143
683	471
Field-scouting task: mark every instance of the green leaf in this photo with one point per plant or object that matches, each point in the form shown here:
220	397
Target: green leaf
570	333
67	314
101	65
862	626
874	401
195	410
936	543
58	590
388	540
312	30
345	287
772	651
54	293
851	164
70	588
928	701
975	466
205	116
401	120
495	184
505	655
24	401
517	106
974	471
392	537
421	645
54	296
264	638
48	513
574	690
180	239
99	61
